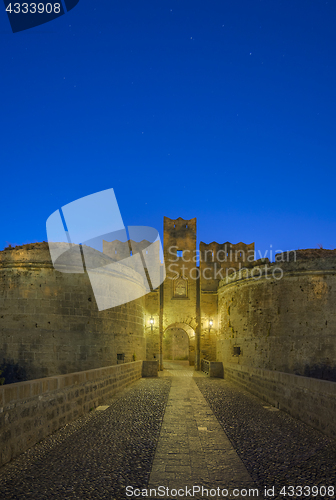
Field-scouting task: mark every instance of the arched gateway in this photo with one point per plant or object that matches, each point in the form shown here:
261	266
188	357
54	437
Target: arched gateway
182	314
178	343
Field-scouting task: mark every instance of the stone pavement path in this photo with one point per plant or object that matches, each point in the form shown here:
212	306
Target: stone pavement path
279	452
193	450
96	456
181	430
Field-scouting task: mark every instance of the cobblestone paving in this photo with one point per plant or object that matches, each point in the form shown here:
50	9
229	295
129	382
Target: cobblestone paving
179	369
276	449
193	451
170	431
96	456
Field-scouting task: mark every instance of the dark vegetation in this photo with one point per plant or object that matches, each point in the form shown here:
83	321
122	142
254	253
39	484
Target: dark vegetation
11	372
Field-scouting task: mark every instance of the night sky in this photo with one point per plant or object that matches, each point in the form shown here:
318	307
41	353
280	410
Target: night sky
222	110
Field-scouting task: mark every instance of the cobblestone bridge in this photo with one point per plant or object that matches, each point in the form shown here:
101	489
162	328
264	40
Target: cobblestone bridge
182	435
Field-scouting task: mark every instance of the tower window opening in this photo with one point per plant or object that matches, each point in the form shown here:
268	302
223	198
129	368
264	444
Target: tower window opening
115	251
174	225
179	253
187	226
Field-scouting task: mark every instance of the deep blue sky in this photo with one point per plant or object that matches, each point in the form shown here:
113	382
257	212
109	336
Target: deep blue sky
221	110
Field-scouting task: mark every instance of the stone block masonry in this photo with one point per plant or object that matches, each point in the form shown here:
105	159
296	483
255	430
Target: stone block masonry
49	321
280	316
310	400
30	411
150	368
212	368
275	317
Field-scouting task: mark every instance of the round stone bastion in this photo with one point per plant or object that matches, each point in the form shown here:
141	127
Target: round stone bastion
49	320
281	315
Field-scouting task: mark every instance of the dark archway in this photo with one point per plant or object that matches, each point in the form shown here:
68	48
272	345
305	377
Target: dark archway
178	343
175	345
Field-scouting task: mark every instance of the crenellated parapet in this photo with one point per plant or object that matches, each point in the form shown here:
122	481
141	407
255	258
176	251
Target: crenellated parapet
179	224
218	259
229	253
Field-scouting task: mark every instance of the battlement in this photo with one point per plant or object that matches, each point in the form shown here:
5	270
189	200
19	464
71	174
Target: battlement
226	252
179	224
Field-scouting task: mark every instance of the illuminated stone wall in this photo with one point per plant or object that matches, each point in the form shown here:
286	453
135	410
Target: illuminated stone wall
180	285
283	319
50	323
152	303
190	289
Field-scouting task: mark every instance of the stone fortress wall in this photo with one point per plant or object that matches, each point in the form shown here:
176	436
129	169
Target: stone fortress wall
216	260
50	323
283	318
272	325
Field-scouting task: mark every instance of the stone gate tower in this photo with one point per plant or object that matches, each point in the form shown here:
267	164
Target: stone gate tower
182	314
179	242
180	288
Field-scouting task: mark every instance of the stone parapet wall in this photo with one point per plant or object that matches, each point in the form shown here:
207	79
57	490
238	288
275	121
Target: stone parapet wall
310	400
30	411
212	368
150	368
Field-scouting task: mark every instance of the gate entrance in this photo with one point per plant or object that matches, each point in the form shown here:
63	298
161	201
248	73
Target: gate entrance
178	344
175	345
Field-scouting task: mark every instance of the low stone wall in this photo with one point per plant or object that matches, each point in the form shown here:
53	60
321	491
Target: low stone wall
212	368
30	411
150	368
310	400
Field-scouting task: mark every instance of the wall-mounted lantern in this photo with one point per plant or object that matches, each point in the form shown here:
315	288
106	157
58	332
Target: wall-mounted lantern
151	321
210	324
